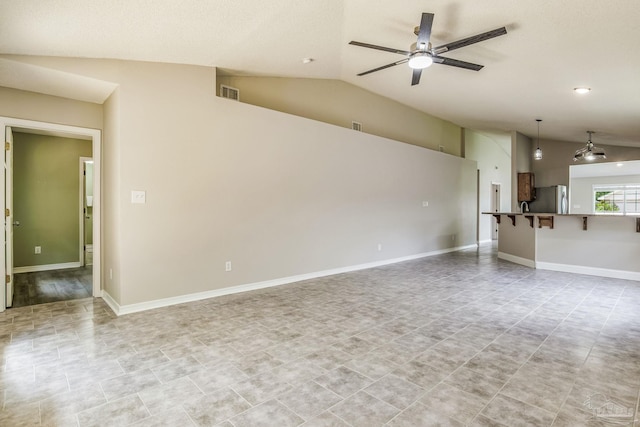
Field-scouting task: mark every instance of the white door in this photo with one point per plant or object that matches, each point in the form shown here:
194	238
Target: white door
8	222
495	207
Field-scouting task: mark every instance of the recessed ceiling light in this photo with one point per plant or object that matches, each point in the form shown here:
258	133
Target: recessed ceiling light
582	90
307	60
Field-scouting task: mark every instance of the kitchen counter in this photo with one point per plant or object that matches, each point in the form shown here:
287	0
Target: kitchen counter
606	245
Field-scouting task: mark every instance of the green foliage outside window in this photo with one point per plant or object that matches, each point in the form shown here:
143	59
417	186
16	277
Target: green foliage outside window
605	205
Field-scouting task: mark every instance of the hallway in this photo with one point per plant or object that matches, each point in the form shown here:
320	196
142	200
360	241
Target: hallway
50	286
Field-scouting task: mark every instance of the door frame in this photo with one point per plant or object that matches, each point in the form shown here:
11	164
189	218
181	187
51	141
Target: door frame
83	206
95	136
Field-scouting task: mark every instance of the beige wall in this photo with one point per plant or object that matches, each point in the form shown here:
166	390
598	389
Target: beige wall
553	169
521	161
493	154
34	106
610	243
518	240
47	198
276	194
340	103
111	197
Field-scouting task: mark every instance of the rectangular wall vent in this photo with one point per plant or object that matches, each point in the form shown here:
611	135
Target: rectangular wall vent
230	92
356	126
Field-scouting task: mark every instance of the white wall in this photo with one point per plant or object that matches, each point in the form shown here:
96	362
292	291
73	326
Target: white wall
275	194
493	154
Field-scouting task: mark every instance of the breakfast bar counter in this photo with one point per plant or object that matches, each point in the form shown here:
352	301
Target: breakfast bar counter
606	245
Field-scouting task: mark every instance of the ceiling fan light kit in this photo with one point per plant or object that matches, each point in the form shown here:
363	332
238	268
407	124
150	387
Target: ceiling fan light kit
420	60
421	54
590	152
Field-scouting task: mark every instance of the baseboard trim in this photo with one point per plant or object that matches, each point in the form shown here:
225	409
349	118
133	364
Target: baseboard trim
181	299
45	267
113	305
517	260
589	271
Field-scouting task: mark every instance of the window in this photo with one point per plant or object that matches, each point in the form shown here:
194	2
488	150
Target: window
617	199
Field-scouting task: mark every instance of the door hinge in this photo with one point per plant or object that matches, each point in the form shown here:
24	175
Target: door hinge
8	278
7	146
7	212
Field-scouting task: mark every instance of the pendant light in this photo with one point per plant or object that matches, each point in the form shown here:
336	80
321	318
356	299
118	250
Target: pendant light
590	152
538	153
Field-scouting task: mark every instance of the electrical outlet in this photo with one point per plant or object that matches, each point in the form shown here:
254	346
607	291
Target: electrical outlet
379	247
38	250
453	237
111	274
227	266
425	204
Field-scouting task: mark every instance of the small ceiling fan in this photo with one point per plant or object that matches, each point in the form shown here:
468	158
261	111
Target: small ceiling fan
422	54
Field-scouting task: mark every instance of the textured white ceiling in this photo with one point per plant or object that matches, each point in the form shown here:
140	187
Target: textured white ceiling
552	46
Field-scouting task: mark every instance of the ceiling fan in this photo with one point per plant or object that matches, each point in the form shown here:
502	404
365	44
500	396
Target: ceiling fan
422	54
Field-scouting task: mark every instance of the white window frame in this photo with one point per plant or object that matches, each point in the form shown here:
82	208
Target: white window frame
623	205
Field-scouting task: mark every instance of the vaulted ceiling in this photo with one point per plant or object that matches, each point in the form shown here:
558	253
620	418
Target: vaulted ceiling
551	47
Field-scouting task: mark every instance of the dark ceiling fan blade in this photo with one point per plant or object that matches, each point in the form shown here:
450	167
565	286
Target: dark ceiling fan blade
415	79
402	61
470	40
457	63
386	49
425	29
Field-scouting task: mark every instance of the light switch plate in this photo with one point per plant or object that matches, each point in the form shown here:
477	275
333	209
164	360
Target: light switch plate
138	196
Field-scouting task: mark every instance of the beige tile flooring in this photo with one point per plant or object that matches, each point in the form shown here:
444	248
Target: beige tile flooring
450	340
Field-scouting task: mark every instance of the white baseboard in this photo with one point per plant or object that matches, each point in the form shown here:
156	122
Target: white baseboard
590	271
115	307
517	260
45	267
181	299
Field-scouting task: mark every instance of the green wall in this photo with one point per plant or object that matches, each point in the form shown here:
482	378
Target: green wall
46	198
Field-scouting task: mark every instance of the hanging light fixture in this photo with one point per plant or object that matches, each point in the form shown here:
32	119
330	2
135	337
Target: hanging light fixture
590	152
538	153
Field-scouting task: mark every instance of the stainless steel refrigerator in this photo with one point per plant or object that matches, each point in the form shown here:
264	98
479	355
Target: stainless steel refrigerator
550	200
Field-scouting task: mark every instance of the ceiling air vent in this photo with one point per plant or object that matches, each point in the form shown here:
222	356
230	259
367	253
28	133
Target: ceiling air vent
230	92
356	126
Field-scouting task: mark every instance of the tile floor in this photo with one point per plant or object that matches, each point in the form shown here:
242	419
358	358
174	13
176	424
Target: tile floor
453	340
48	286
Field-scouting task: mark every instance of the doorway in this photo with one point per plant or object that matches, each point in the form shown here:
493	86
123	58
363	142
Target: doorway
11	125
495	207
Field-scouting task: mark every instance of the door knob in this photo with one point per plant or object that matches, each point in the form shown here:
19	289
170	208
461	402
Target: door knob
16	223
